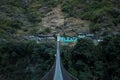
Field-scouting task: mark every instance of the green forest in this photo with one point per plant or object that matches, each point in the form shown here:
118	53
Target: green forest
86	61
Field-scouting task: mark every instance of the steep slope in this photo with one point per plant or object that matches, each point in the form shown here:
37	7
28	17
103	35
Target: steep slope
25	17
55	21
103	14
22	17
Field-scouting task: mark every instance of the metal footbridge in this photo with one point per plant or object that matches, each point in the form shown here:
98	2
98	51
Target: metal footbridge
58	72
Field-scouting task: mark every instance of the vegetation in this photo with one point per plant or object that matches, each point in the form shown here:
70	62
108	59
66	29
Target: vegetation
86	61
101	13
24	60
47	30
20	17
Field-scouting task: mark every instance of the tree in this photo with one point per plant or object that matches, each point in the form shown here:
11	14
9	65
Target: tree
83	59
110	48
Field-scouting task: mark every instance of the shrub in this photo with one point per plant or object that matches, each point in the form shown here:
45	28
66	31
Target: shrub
47	30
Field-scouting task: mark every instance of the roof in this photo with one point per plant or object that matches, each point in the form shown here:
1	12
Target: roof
89	34
49	35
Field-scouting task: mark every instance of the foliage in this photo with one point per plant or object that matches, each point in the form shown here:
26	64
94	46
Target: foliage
21	15
99	62
47	30
24	14
85	60
110	49
95	11
21	60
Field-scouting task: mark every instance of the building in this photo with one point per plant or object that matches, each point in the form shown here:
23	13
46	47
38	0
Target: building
50	37
81	35
68	39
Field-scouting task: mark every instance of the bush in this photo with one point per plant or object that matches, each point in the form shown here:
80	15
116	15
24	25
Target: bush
47	30
110	49
83	59
20	60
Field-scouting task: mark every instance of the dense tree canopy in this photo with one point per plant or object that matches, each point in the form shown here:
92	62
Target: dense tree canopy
86	61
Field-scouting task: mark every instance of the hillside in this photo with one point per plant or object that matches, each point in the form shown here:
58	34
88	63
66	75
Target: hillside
104	15
26	17
56	22
21	17
25	59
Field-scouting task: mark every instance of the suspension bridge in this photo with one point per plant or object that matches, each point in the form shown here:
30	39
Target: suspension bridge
58	72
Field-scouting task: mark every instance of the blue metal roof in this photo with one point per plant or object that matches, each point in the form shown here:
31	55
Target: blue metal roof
68	39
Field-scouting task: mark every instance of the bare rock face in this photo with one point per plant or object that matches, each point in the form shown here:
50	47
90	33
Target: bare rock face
73	26
53	19
56	21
